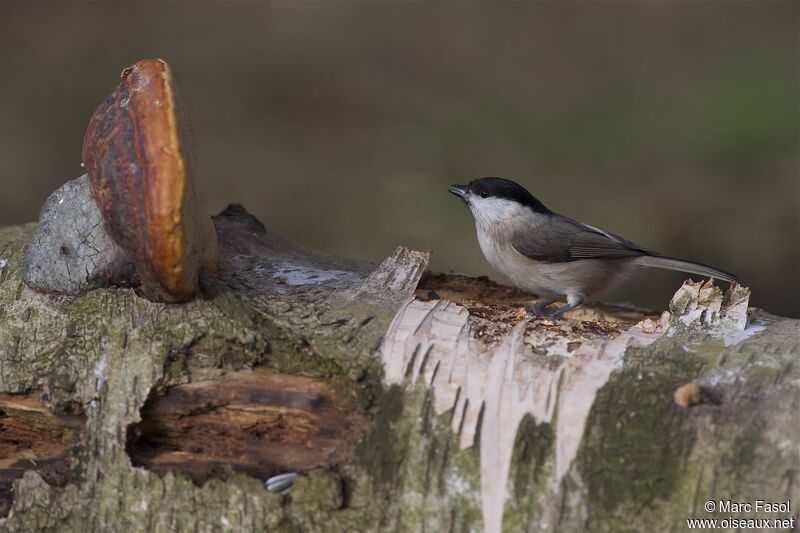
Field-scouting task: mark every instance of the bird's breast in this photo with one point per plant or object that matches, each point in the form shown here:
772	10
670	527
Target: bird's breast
503	257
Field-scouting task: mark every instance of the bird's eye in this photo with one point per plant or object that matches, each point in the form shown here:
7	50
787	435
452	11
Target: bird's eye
484	193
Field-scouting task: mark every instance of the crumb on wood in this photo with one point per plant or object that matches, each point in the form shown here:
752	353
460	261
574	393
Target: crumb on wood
688	395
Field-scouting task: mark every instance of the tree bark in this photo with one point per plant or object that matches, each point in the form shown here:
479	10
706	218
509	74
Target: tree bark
405	401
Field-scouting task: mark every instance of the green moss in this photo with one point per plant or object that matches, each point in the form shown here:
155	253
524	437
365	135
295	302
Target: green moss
413	457
380	452
636	438
532	447
313	499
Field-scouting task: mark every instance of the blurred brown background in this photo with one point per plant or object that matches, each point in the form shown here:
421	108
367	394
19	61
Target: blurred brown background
340	125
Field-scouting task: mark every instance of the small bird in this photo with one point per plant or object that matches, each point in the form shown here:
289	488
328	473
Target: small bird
551	255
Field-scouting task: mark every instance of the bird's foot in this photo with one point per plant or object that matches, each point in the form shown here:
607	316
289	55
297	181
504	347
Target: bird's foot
539	308
561	310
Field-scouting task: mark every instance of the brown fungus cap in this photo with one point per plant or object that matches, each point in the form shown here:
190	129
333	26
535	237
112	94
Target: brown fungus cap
137	151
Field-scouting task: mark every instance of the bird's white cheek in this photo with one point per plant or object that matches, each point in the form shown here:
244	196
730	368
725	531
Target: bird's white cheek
490	214
484	217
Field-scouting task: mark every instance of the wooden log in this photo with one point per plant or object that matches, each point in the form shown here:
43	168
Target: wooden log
404	401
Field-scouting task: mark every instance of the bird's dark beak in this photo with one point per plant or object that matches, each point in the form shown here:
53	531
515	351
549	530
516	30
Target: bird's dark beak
459	190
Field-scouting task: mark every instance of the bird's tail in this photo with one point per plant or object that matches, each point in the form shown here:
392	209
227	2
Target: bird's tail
685	266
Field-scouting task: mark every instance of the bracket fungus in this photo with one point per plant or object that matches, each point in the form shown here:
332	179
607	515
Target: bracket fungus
154	231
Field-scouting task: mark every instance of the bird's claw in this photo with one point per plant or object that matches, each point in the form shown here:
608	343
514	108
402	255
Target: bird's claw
539	308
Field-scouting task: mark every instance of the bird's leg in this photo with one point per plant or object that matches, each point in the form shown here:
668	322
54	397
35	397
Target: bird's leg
538	308
572	302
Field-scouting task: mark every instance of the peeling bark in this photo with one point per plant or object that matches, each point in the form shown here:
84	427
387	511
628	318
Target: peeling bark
458	412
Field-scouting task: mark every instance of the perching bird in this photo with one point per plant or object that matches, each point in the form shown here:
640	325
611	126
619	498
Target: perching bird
551	255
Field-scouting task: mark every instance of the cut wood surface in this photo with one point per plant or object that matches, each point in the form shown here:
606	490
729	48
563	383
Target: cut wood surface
405	401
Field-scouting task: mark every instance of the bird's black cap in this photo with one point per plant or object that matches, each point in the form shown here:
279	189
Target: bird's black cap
505	189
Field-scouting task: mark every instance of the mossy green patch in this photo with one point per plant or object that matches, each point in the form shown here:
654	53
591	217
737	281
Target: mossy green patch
381	451
636	438
532	465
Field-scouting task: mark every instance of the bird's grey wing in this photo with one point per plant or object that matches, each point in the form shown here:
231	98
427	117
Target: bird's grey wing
545	241
563	239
